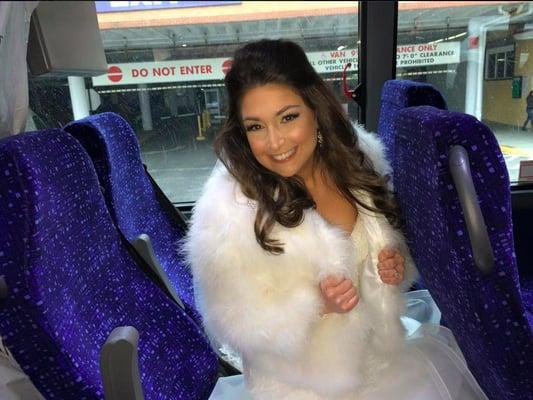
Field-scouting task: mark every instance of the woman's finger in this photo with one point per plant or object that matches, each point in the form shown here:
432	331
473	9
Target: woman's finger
341	288
390	274
346	296
347	306
391	281
330	281
385	254
399	258
390	263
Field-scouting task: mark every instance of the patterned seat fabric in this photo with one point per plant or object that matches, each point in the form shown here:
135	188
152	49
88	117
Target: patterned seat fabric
398	94
486	313
71	281
130	196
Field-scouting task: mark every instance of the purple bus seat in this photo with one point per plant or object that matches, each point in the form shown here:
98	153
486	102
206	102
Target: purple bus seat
398	94
71	281
133	202
489	313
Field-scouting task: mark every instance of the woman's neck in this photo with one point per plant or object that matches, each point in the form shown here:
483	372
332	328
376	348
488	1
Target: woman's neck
316	178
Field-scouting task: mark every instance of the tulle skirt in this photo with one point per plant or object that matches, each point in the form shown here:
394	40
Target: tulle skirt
432	366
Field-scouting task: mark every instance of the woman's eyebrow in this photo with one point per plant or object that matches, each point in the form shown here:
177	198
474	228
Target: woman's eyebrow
286	108
281	111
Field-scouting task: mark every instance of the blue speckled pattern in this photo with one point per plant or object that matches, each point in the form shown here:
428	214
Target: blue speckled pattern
72	282
129	195
486	313
398	94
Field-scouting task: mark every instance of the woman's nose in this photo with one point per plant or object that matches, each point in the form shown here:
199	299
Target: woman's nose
275	138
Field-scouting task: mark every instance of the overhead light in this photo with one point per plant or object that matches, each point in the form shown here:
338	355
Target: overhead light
448	38
456	36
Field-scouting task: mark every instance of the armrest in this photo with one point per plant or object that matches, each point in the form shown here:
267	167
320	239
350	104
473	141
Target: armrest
143	245
119	365
4	291
459	165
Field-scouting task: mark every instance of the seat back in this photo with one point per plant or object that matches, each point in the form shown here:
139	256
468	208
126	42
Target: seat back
71	281
485	312
398	94
130	196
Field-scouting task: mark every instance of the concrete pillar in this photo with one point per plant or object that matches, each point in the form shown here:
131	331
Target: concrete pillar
78	97
475	72
146	111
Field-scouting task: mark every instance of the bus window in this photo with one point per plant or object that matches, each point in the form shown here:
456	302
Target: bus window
478	55
166	65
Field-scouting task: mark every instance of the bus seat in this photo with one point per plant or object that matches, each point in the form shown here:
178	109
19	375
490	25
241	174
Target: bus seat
134	202
485	310
398	94
72	281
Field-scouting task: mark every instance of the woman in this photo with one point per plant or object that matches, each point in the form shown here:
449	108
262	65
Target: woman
295	252
529	110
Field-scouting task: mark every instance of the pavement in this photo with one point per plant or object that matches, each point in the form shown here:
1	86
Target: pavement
516	145
181	165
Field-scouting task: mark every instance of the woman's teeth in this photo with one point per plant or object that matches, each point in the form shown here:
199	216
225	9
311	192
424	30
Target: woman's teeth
284	156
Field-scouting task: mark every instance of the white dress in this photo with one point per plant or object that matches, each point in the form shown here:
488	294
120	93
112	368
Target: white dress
432	366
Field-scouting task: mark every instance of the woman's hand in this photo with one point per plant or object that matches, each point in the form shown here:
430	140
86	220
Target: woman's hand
339	295
391	267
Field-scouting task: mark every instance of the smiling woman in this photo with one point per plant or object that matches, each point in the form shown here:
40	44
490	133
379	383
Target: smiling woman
282	132
281	107
297	265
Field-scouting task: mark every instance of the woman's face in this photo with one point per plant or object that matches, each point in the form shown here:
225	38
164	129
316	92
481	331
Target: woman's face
281	129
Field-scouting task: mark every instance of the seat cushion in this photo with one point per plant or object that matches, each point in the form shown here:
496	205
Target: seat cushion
485	312
130	197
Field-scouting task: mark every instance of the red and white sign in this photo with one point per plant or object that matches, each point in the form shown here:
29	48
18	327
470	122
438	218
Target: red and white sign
206	69
324	62
114	73
414	55
226	65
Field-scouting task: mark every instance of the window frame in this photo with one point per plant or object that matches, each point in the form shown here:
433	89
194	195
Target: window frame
377	56
495	51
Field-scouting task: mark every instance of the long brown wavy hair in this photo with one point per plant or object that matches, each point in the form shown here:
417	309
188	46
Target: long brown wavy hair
281	199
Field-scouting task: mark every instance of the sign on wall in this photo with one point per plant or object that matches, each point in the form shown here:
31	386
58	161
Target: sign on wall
333	61
205	69
121	6
414	55
215	68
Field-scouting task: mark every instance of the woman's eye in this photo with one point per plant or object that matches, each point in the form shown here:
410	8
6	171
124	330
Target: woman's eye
252	128
290	117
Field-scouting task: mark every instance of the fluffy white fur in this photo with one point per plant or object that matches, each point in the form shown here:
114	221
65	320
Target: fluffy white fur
267	307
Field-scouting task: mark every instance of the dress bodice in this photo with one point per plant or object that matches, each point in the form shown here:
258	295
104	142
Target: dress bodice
360	242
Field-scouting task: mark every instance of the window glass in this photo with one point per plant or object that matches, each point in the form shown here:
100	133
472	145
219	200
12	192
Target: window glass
509	64
166	71
468	38
491	67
